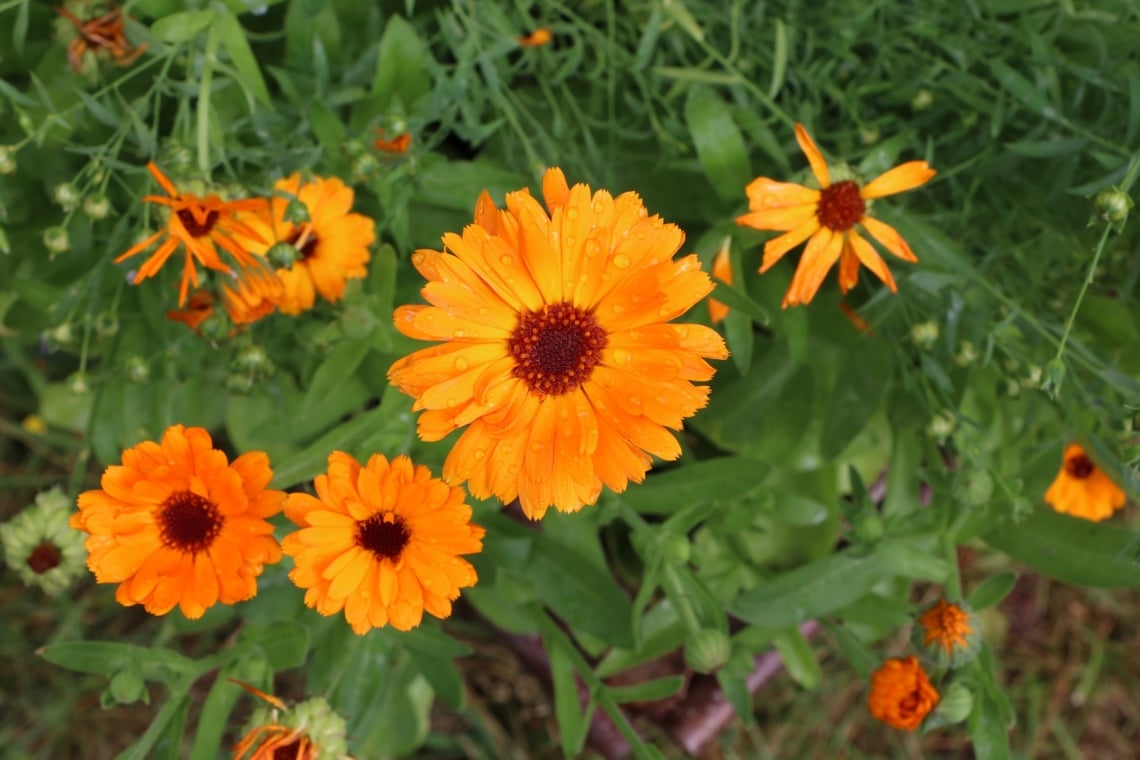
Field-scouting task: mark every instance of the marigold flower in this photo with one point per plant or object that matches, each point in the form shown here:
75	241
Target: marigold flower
251	296
827	219
200	226
947	633
198	310
40	547
1082	489
101	33
382	542
310	730
332	245
557	355
722	270
178	524
398	144
901	694
538	37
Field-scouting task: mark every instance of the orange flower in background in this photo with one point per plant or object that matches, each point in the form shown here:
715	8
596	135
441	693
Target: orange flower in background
556	353
398	144
331	247
252	296
272	741
1082	489
540	36
200	226
722	270
827	220
101	33
310	730
178	524
901	694
198	310
945	625
382	542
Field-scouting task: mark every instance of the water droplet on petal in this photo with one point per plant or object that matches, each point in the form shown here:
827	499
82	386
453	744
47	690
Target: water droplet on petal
506	259
461	364
572	213
480	453
621	261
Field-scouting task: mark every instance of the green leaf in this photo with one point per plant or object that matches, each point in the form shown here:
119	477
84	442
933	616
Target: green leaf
175	708
1022	89
285	642
575	589
737	300
720	479
648	691
1048	148
913	559
686	591
182	27
798	658
312	460
337	369
107	657
402	65
1072	550
236	42
573	722
720	147
662	631
220	701
992	590
858	655
987	729
859	388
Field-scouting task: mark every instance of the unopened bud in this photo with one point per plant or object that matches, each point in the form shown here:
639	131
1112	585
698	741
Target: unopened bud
297	212
136	369
40	546
126	686
707	650
364	166
924	334
1113	205
955	706
941	426
676	549
106	324
77	383
283	255
56	240
966	354
7	160
922	100
96	207
1053	377
66	196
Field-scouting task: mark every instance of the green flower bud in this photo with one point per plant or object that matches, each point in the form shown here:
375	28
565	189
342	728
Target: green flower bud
283	255
56	240
239	383
66	196
297	212
176	158
96	207
1053	377
676	549
941	426
1113	205
979	489
40	546
216	327
924	334
254	360
707	650
106	324
948	634
966	355
7	160
61	334
136	369
868	526
364	166
956	704
77	383
126	687
922	100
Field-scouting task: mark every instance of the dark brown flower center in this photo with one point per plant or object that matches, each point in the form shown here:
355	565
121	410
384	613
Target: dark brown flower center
193	226
1080	466
556	348
290	751
385	535
840	206
307	248
44	557
189	522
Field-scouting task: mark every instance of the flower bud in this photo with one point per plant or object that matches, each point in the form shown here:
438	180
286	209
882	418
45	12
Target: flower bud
297	212
676	549
922	100
106	324
978	488
66	196
312	722
77	383
136	369
283	255
924	334
127	686
707	650
941	426
955	707
1053	377
364	166
947	634
966	355
40	546
7	160
96	207
1112	205
56	240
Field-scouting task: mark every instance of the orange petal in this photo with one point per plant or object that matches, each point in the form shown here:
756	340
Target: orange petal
821	254
899	179
162	179
814	157
554	188
764	193
775	248
871	259
783	218
889	237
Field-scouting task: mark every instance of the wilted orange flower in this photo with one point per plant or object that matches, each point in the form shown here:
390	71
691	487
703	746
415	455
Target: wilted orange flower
178	524
251	296
382	542
398	144
307	731
901	694
827	218
557	355
540	36
272	741
101	33
331	246
945	625
200	225
198	310
722	270
1082	489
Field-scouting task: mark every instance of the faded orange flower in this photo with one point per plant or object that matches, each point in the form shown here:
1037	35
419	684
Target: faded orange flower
382	542
198	310
722	270
827	218
538	37
200	226
901	694
179	524
310	730
100	33
398	144
556	353
252	296
1082	489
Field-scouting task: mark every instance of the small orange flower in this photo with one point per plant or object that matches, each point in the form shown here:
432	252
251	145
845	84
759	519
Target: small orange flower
398	144
901	694
200	226
198	310
178	524
722	270
827	218
540	36
102	33
1082	489
382	542
947	634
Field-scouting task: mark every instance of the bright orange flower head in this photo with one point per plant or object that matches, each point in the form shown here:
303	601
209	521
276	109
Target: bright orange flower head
178	524
538	37
722	270
901	694
200	226
1082	489
252	296
382	542
556	351
947	633
331	246
198	310
827	219
398	144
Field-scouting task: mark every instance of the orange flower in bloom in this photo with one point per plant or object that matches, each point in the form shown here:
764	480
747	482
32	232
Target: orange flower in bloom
178	524
1082	489
382	542
722	270
200	225
901	694
540	36
102	33
197	311
398	144
556	352
331	247
252	296
827	219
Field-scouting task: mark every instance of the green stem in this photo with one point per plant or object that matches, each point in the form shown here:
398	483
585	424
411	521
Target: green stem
1084	289
213	39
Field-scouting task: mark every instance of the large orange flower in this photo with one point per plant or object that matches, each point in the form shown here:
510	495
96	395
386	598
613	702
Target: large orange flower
200	226
382	542
827	218
178	524
1082	489
901	694
330	248
557	354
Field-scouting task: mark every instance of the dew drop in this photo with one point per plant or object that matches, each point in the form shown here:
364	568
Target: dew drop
506	259
622	356
480	453
461	364
572	213
451	402
621	261
460	333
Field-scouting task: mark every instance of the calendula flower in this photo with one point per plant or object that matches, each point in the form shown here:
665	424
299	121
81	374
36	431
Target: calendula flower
311	730
103	32
947	633
398	144
198	310
1082	489
538	37
382	542
200	226
722	270
331	244
40	547
557	355
827	219
251	296
179	524
901	694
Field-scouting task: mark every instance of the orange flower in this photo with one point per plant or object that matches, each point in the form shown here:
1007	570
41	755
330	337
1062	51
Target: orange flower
398	144
197	311
540	36
200	225
722	270
947	634
253	296
556	354
272	741
827	218
1082	489
901	694
307	731
382	542
178	524
331	246
102	33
